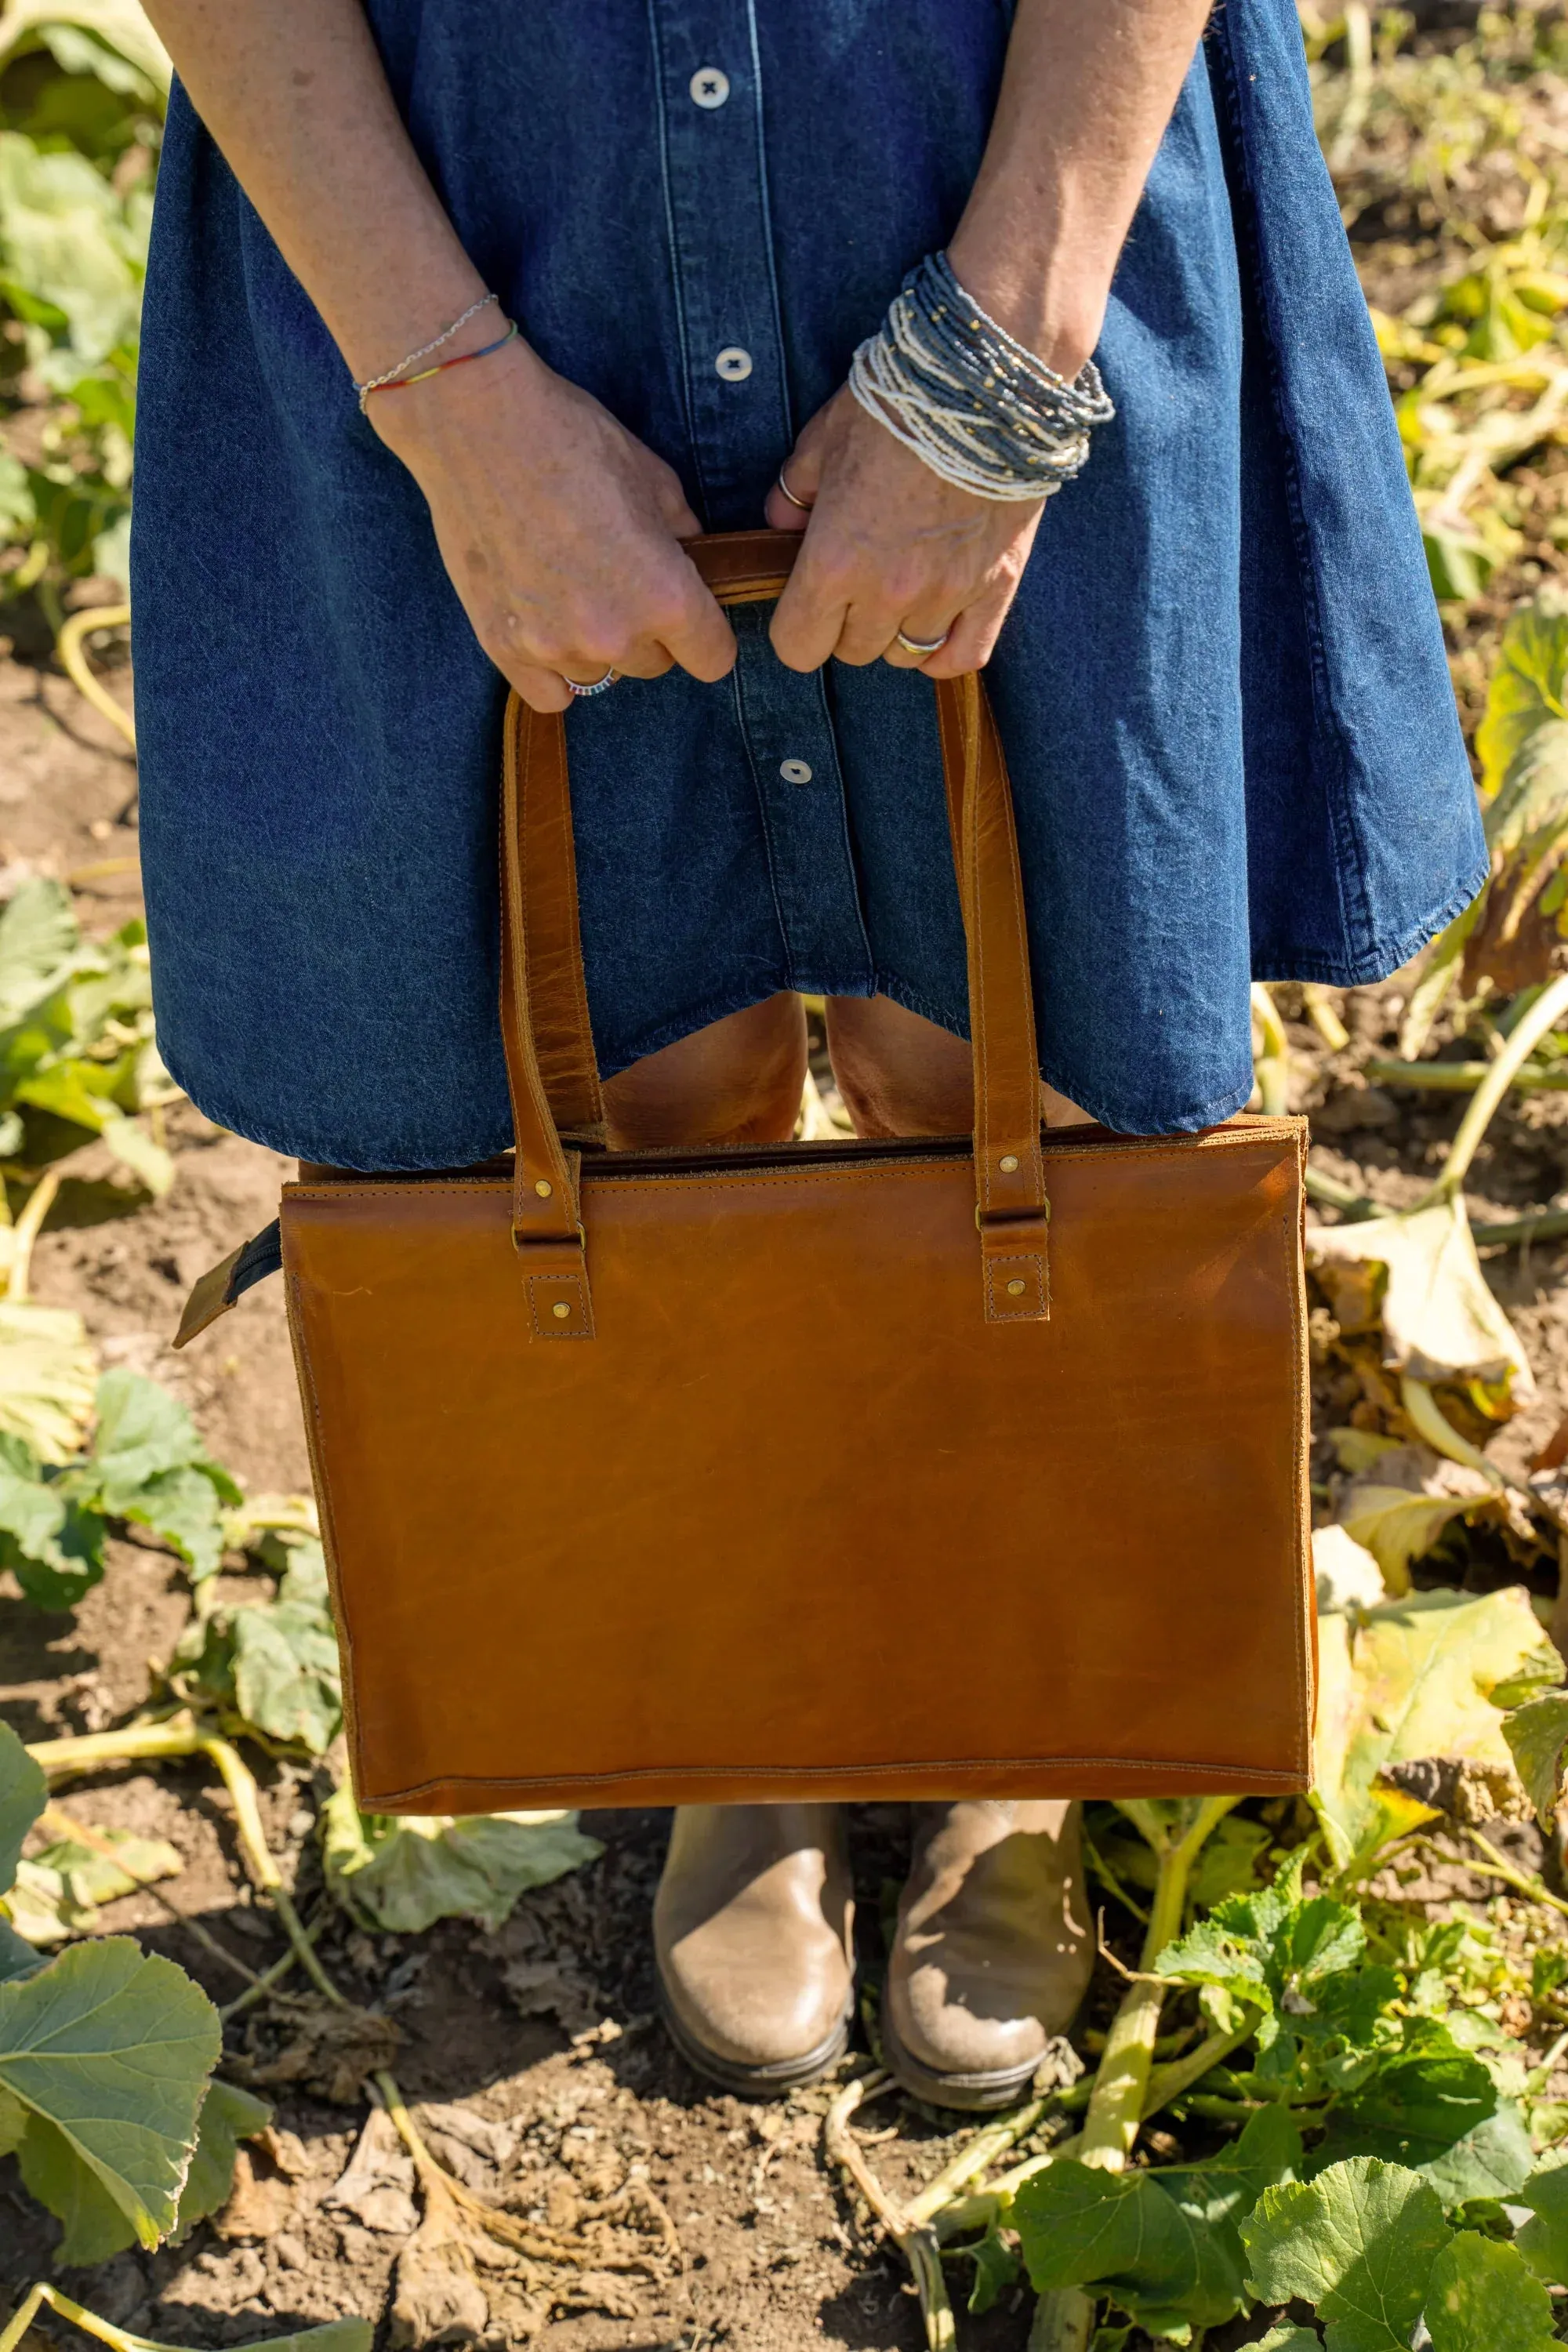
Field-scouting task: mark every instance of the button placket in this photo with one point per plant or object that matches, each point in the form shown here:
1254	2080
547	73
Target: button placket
721	251
789	736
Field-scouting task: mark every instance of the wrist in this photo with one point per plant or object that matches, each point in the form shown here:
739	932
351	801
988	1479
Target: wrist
417	419
1049	300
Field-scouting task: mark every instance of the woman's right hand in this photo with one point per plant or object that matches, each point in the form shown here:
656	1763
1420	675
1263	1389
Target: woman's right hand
561	531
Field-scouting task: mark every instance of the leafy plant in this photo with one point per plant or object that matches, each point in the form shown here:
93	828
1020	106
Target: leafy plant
272	1666
106	2062
1368	2244
145	1467
403	1873
77	1053
74	207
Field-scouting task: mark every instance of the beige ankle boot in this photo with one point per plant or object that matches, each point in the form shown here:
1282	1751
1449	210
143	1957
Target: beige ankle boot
751	1932
993	1950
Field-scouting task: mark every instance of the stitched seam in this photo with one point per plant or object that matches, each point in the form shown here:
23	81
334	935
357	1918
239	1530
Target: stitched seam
769	247
1248	1776
1027	1313
737	688
315	1446
1022	936
583	1044
1294	1251
693	442
566	1282
1143	1148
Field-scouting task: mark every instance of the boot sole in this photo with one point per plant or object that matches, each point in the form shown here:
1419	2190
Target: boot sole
975	2094
769	2082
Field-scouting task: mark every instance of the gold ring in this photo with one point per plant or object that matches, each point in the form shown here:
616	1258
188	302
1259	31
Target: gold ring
804	504
913	645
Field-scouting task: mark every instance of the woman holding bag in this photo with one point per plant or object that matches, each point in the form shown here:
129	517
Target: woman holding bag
1039	323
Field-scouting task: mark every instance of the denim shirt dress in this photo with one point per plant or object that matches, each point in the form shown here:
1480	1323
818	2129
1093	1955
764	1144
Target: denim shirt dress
1222	692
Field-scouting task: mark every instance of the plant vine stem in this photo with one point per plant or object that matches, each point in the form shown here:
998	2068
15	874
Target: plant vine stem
1430	1421
1273	1064
184	1736
1063	2318
43	2294
69	646
1542	1016
1497	1867
916	2240
976	2156
25	1232
1351	1204
1120	2086
63	1826
269	1978
1463	1078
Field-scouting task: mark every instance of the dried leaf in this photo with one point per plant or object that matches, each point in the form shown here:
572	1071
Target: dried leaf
1440	1321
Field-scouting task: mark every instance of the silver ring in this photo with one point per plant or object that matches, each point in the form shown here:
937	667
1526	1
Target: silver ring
913	645
599	686
804	504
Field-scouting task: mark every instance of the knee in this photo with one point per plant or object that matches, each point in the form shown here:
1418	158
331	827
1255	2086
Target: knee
897	1073
737	1081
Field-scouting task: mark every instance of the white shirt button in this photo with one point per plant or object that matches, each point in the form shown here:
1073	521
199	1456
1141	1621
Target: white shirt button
733	364
710	86
794	772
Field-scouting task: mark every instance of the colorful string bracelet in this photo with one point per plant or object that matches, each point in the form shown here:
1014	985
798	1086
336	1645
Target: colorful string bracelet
397	377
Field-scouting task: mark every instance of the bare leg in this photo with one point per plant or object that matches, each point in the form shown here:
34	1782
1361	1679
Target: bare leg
738	1081
900	1075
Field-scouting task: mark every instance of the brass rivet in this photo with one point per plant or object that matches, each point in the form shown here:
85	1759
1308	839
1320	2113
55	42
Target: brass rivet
1014	1289
1009	1162
543	1188
561	1310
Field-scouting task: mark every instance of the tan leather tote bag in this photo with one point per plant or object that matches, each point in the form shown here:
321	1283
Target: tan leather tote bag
966	1467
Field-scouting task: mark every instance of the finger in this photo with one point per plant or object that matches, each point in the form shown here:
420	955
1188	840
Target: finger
927	626
870	626
541	690
974	634
693	628
802	470
669	497
809	617
644	659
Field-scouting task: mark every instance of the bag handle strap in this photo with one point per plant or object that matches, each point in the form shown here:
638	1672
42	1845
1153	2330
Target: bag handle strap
551	1062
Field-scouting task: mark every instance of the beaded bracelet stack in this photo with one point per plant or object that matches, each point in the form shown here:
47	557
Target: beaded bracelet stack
976	405
398	378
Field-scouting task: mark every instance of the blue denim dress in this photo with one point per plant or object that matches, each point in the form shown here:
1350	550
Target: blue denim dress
1222	692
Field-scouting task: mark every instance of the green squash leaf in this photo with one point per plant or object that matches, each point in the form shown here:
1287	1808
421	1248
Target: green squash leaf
1537	1735
1162	2244
39	943
228	2116
403	1873
996	2268
1543	2240
23	1793
17	1958
1359	2243
113	2048
1421	2100
1481	2298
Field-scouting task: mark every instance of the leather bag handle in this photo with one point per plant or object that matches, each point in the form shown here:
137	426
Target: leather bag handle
551	1062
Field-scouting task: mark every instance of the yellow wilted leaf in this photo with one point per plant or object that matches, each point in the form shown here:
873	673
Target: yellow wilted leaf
1411	1683
1440	1321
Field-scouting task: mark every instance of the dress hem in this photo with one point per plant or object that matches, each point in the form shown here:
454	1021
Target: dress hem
1377	963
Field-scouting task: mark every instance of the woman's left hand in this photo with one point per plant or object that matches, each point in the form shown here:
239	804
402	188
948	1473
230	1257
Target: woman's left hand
888	546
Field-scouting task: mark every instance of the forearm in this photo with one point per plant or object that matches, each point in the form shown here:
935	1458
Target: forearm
294	94
1085	99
